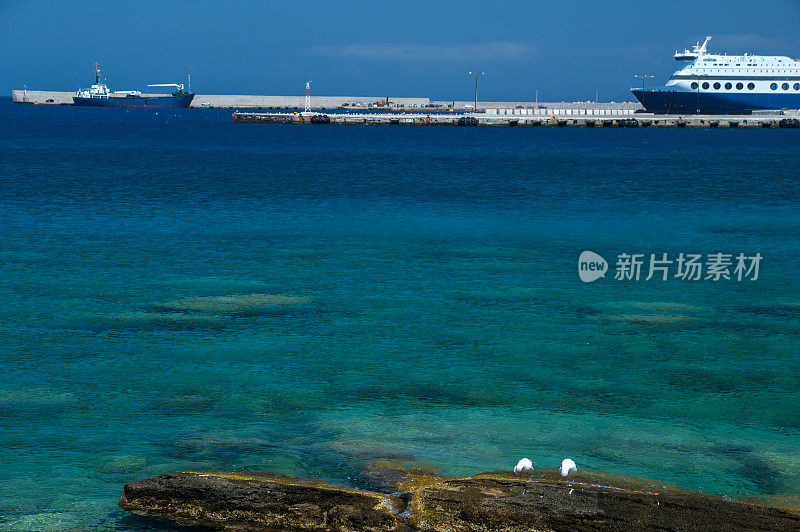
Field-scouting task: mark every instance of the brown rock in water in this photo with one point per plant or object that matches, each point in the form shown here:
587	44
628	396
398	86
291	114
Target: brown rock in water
544	502
258	501
387	474
541	501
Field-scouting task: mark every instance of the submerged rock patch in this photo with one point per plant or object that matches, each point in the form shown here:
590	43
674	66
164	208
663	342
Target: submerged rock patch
648	319
230	304
151	321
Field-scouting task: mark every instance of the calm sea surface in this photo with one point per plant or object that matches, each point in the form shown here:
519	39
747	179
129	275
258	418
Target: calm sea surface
181	292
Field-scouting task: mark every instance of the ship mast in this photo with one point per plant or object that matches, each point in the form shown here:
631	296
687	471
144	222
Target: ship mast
697	51
701	50
96	74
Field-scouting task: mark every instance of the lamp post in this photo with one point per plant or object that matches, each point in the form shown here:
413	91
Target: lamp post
644	77
476	74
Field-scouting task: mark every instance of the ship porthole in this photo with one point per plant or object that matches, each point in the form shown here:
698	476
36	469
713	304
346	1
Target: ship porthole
797	86
716	86
785	86
728	86
705	85
774	86
694	85
751	86
739	86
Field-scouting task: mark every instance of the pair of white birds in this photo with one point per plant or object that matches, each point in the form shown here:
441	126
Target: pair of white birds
567	469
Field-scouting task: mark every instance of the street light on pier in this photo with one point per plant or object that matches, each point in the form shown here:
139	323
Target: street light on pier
644	77
476	74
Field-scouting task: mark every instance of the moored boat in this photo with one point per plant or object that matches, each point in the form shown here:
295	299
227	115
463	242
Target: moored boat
98	95
725	84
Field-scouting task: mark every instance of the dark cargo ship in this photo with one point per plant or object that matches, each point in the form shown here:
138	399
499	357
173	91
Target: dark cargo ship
98	95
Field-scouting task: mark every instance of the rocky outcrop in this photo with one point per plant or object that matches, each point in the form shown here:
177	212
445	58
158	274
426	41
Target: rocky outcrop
258	501
540	501
502	502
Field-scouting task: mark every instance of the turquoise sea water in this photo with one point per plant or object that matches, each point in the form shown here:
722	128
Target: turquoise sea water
182	292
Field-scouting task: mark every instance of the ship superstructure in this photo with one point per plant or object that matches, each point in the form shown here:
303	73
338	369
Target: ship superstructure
725	84
97	90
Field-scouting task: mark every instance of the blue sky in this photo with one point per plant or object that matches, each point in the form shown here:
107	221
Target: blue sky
566	49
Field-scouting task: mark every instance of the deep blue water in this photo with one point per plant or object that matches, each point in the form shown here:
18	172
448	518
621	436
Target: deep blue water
434	310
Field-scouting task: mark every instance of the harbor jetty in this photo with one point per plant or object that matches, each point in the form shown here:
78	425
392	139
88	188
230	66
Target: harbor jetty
560	117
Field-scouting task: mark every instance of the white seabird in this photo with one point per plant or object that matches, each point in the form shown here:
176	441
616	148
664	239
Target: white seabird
568	468
523	465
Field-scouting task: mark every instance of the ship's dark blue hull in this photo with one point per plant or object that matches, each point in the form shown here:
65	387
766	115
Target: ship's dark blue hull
179	101
677	102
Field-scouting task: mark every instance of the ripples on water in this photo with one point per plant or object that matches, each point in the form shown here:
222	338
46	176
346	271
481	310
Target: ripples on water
182	292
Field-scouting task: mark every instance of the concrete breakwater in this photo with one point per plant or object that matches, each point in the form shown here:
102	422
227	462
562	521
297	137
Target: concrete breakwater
239	101
487	105
244	101
556	119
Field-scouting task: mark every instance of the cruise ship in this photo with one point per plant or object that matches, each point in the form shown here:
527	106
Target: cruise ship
725	84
